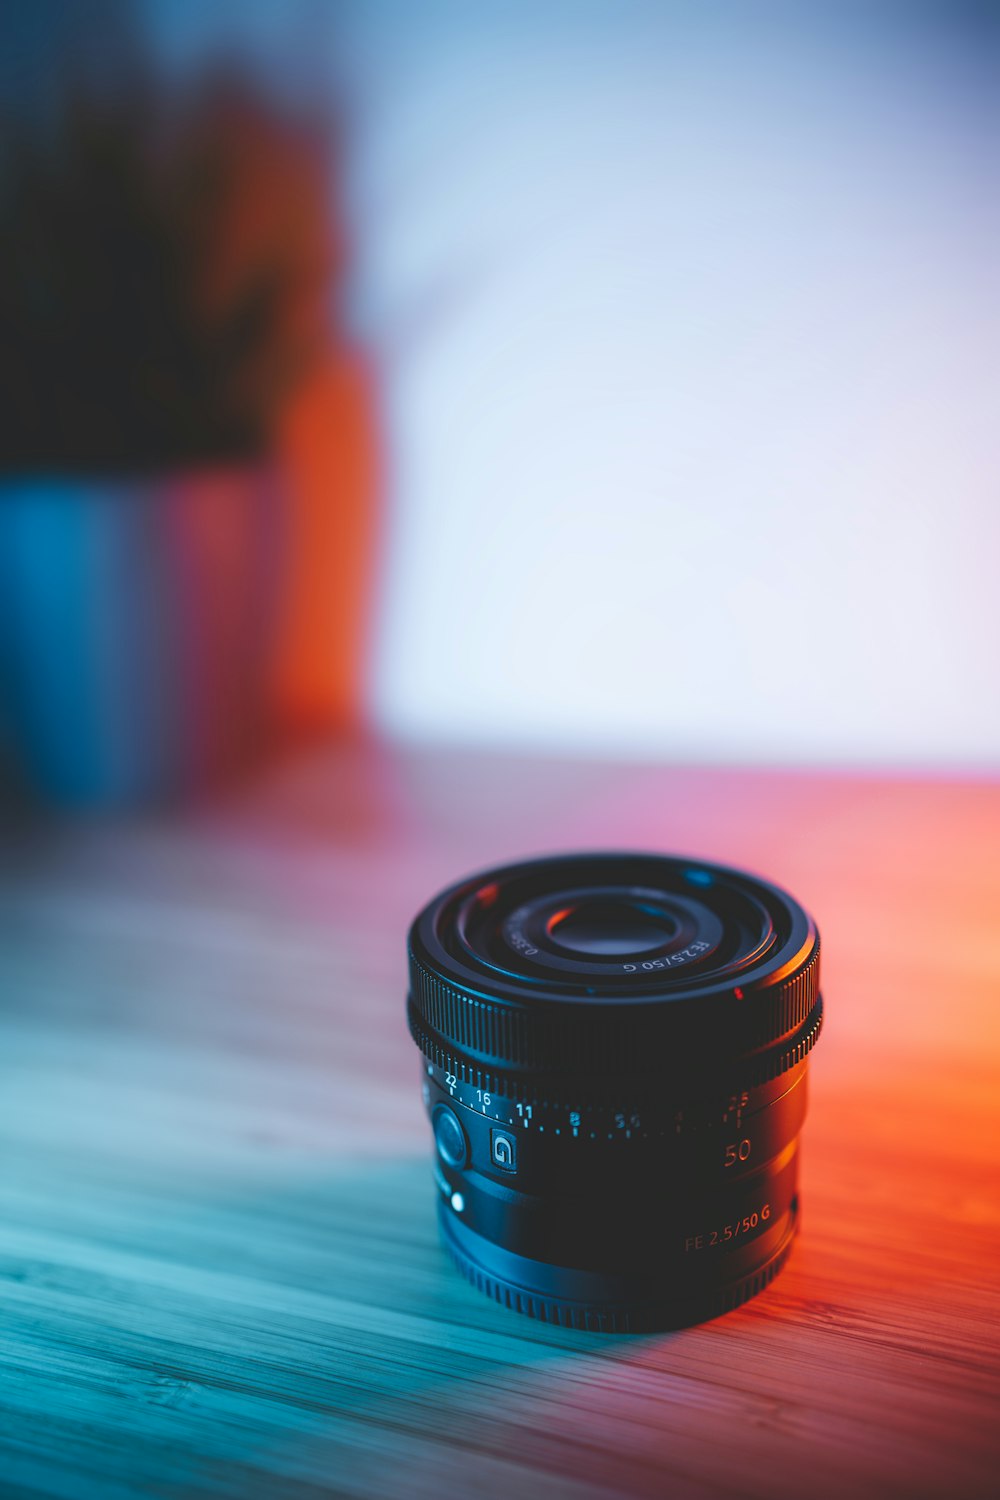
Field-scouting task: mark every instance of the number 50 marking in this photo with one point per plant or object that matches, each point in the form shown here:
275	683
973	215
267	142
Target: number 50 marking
738	1151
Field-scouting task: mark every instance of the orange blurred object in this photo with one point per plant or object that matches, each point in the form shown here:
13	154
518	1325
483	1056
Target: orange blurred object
329	453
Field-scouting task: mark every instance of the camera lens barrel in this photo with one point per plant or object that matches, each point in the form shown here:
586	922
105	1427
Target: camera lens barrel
615	1068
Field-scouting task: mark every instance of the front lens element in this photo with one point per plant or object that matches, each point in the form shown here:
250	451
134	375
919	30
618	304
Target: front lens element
605	928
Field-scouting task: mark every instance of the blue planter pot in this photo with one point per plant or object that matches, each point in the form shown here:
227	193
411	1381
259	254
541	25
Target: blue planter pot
135	619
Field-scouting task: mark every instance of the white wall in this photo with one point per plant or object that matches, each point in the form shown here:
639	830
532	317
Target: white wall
687	320
688	327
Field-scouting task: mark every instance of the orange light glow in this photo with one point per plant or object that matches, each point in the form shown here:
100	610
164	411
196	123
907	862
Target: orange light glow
329	457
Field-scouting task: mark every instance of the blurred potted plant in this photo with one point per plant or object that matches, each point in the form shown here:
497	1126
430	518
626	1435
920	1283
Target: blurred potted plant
165	269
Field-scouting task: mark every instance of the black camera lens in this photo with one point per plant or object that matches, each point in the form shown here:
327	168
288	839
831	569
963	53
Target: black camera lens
615	1057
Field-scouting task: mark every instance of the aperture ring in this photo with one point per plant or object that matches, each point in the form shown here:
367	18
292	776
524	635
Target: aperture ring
748	1072
502	1036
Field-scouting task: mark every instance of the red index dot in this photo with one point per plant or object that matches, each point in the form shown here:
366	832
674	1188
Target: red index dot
738	994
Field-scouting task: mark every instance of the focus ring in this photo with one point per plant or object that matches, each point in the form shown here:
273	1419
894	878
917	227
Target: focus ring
749	1072
500	1036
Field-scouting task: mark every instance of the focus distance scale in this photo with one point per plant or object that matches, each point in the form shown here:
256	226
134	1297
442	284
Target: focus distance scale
615	1060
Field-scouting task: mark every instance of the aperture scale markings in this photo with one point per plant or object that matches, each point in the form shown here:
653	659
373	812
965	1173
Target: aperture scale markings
626	1123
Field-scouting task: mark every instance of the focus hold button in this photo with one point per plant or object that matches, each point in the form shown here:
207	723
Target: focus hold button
452	1146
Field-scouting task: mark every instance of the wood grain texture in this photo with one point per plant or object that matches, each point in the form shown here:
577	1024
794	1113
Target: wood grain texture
219	1267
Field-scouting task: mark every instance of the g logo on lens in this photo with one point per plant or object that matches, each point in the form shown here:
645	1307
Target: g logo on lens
615	1050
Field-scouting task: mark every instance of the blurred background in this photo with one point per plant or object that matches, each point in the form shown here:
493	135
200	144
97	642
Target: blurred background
614	379
433	434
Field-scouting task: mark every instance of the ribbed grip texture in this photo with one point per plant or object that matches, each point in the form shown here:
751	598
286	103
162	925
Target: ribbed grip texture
619	1038
748	1072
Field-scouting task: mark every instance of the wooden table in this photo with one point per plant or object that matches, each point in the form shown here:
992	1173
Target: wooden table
219	1264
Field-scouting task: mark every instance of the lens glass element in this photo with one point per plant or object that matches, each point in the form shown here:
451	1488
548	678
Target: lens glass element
617	928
